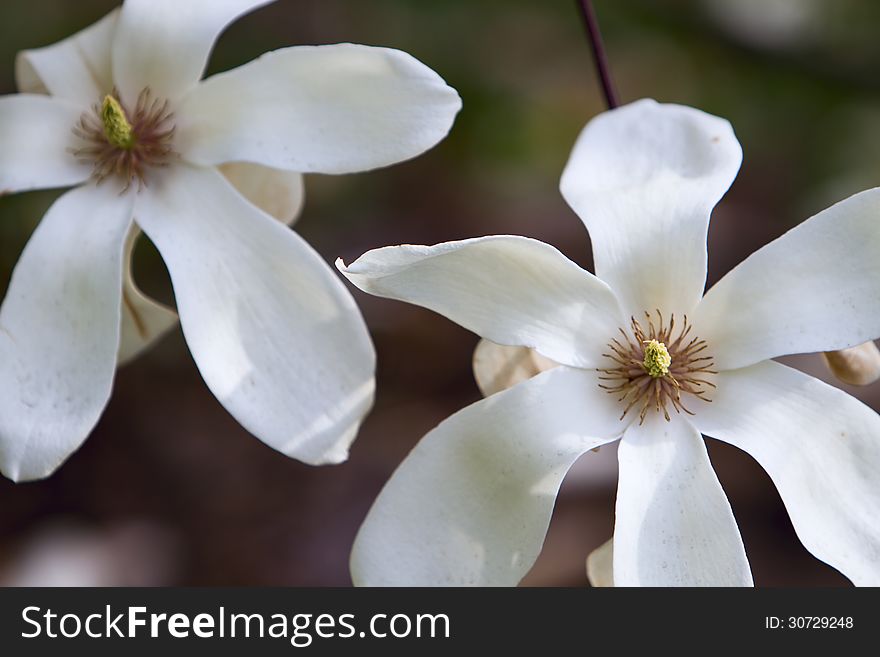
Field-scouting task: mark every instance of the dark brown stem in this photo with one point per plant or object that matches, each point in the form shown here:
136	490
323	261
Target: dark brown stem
599	56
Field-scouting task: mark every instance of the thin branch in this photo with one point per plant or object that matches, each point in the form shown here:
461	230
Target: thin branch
599	56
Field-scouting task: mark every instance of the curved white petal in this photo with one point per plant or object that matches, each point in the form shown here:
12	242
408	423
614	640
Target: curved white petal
275	192
324	109
644	179
600	565
471	503
59	331
36	135
857	366
165	44
674	525
512	290
76	69
144	320
820	446
498	367
816	288
276	335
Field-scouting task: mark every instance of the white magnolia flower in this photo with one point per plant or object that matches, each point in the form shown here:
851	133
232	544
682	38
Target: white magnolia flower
472	501
118	110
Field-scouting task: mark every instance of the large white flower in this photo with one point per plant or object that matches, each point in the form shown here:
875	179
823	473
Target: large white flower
119	111
644	358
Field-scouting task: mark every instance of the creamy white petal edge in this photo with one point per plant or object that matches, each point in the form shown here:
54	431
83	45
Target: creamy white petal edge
816	288
499	367
324	109
164	44
35	135
275	334
511	290
674	525
144	320
471	503
59	331
77	69
820	446
857	366
644	179
600	565
276	192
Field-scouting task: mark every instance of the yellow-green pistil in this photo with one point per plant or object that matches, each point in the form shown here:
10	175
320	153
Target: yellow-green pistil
657	359
117	129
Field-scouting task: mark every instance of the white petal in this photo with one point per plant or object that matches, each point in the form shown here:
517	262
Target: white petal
816	288
471	503
276	192
600	565
820	446
857	366
144	320
275	334
59	331
674	524
324	109
76	69
36	133
644	179
511	290
164	44
499	367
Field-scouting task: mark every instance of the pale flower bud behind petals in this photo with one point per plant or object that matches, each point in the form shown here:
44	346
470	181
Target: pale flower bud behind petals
600	565
858	366
499	367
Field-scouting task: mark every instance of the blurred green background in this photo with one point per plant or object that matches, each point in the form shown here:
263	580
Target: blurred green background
170	490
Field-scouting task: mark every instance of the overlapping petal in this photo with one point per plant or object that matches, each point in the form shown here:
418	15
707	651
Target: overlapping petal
511	290
498	367
471	503
144	320
276	192
674	525
59	331
816	288
77	69
600	565
165	44
857	366
324	109
820	446
644	179
274	332
36	136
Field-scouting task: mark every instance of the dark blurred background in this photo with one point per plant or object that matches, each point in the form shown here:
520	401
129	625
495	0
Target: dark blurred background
170	490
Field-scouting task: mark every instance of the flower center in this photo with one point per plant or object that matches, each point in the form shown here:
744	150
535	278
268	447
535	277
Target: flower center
655	367
125	144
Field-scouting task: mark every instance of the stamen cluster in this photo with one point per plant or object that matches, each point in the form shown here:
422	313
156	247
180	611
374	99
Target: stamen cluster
636	376
125	144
